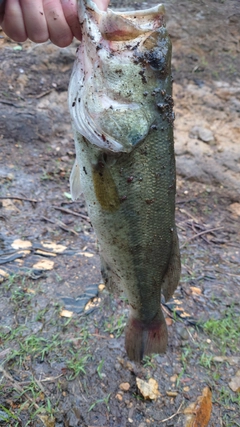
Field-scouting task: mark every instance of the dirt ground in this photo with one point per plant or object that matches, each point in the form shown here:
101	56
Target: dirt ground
60	371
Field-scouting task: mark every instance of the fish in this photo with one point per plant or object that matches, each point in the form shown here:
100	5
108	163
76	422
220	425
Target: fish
121	106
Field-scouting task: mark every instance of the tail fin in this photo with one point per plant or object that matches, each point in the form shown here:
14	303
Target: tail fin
143	338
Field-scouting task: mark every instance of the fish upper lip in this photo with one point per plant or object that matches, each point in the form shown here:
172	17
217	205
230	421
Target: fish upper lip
155	9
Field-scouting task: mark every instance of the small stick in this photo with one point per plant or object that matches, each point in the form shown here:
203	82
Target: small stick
60	223
48	379
42	94
69	211
17	386
172	416
200	234
19	198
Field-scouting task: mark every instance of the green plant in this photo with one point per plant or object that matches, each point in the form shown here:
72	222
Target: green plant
148	362
77	364
206	360
99	368
104	400
116	325
226	330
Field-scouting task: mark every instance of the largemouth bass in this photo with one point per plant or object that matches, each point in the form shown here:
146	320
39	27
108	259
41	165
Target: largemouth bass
120	99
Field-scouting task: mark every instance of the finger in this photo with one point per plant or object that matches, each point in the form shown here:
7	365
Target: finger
13	23
71	15
2	9
59	31
35	22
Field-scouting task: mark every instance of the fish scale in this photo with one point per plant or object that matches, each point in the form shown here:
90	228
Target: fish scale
125	163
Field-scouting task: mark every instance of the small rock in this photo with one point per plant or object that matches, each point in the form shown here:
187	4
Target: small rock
183	333
172	393
119	397
149	390
235	383
124	386
173	379
202	133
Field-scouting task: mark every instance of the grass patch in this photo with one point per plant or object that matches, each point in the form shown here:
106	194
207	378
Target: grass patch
225	331
115	325
41	351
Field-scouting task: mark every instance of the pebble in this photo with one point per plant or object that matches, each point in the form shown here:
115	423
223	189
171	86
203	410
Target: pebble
124	386
172	393
183	333
119	397
202	133
173	379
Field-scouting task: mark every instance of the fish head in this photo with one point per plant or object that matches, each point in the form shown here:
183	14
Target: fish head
121	57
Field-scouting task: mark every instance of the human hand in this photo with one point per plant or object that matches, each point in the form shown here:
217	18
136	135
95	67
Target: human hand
40	20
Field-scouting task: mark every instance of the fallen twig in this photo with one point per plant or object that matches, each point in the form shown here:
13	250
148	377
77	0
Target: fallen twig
17	386
69	211
2	101
48	379
60	223
25	199
43	94
174	415
200	234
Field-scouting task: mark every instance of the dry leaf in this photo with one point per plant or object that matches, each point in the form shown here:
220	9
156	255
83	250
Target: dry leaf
30	291
149	389
66	313
44	264
48	421
54	247
195	290
25	252
199	412
9	206
3	275
21	244
235	208
235	383
101	286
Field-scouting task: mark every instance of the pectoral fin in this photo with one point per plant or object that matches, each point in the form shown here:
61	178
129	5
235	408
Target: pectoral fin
75	183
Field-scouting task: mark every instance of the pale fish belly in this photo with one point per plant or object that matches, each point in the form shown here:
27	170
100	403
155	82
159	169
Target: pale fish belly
121	105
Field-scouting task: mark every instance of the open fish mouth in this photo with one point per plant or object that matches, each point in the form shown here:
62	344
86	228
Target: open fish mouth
102	98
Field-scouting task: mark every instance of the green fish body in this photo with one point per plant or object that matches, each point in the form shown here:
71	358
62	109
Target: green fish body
120	99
